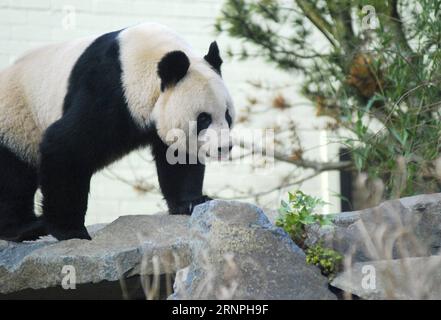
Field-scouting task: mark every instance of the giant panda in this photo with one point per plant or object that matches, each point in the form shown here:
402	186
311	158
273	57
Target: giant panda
68	110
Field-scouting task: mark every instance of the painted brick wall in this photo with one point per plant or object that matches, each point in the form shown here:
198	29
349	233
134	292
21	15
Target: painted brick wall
25	24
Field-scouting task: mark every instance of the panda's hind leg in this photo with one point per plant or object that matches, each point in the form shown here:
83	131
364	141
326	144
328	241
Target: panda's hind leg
18	184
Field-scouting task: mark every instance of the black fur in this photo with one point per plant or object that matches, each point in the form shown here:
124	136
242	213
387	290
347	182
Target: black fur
96	129
172	68
213	57
228	118
18	184
203	121
181	184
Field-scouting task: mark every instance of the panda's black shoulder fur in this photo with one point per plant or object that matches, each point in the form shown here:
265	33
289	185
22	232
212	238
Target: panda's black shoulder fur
98	66
96	106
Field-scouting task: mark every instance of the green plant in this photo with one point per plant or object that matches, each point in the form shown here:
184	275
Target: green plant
297	213
328	260
376	74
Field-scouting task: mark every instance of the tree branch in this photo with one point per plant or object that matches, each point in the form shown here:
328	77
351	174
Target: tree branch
282	186
342	29
391	19
316	19
303	163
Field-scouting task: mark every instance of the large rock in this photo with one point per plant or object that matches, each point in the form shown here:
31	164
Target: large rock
407	227
131	245
411	278
238	254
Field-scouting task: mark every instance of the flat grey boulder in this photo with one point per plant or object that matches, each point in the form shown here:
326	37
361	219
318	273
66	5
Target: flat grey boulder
131	245
236	253
407	227
410	278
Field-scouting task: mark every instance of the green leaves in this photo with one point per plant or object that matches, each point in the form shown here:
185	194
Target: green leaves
328	260
381	87
297	213
294	216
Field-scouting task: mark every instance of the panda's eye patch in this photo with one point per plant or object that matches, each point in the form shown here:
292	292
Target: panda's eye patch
228	118
203	121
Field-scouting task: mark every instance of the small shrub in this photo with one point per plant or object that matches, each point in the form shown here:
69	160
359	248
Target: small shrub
297	213
328	260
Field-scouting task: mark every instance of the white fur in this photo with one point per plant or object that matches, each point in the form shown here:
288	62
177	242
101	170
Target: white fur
141	49
32	90
201	90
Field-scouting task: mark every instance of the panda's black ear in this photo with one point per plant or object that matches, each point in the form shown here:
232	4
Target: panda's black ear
213	57
172	68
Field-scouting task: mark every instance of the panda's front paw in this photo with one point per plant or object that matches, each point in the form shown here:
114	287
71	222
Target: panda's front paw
66	234
202	199
28	232
187	207
32	231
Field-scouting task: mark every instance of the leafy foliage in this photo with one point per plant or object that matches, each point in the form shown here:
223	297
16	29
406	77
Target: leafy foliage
328	260
294	216
378	77
297	213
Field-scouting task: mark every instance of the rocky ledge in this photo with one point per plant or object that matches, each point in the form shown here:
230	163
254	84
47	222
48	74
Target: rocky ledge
226	250
391	251
232	250
129	246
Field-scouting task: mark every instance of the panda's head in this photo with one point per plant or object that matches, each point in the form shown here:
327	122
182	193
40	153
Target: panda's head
194	111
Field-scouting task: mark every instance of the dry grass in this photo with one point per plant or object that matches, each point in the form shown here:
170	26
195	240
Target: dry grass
393	238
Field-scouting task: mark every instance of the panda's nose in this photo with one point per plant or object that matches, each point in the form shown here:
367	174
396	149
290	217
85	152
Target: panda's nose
225	149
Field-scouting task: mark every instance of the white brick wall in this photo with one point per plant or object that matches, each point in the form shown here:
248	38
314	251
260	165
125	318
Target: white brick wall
25	24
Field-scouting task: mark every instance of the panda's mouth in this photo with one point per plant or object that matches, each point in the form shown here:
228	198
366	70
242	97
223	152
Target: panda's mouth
219	156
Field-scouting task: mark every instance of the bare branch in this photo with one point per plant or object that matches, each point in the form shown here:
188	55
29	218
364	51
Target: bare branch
278	187
317	166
